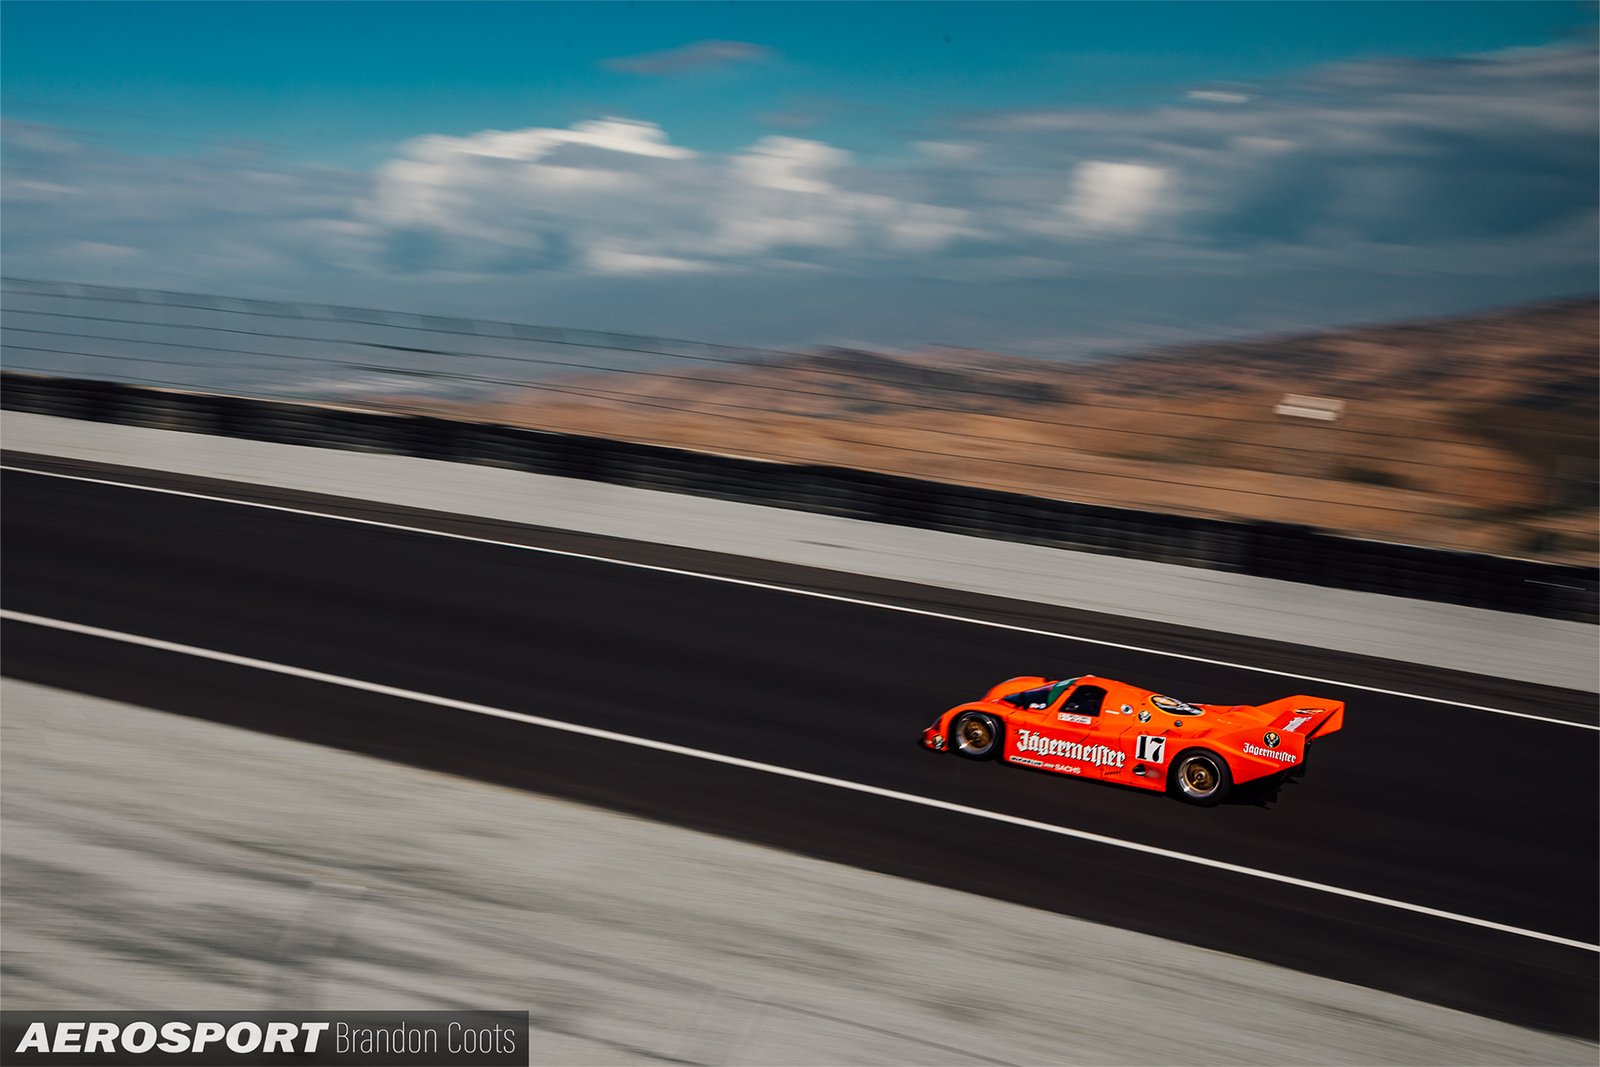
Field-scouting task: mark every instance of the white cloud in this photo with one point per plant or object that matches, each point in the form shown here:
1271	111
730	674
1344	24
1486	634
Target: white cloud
1115	197
684	59
617	197
948	151
1262	145
442	181
610	134
99	250
24	190
925	228
791	164
610	257
1218	96
1446	175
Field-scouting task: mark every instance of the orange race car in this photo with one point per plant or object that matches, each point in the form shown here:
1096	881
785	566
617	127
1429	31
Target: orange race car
1097	728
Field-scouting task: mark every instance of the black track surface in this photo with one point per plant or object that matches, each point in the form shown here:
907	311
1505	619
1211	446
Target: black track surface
1460	810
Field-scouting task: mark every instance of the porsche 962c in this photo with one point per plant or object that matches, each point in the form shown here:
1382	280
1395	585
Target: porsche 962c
1097	728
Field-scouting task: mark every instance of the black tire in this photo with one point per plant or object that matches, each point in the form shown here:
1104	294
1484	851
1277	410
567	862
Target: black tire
976	735
1200	777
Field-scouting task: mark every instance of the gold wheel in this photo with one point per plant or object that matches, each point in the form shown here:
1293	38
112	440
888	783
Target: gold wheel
1202	777
976	735
1198	777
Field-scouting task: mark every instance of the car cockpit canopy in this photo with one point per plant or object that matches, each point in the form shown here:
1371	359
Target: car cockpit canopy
1042	696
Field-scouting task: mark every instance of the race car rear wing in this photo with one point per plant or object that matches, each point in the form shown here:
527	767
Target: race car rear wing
1306	716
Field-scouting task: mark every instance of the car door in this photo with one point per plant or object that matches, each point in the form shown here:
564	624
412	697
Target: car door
1094	709
1059	735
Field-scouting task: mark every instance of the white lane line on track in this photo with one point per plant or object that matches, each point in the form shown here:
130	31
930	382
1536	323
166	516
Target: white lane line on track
773	587
770	768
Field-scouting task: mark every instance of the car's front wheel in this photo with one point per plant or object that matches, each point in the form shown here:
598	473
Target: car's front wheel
976	735
1201	777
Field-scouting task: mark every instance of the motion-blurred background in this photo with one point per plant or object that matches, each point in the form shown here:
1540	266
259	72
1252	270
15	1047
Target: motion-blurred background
1315	263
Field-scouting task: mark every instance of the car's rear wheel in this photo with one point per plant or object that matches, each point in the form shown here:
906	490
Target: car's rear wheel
1201	777
976	735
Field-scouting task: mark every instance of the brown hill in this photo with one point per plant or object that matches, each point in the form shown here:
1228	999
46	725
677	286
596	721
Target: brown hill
1473	432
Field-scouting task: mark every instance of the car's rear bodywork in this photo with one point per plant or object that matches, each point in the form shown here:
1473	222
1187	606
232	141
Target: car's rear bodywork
1098	728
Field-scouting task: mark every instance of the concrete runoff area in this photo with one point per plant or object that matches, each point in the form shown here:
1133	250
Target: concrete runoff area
154	861
1499	644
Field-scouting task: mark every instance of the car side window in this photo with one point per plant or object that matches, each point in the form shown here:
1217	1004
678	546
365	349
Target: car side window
1085	700
1032	698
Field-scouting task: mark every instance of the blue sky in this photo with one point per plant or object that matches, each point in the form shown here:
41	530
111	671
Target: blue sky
986	174
345	82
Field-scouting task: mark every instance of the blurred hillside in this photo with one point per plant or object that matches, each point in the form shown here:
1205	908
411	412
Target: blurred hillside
1476	432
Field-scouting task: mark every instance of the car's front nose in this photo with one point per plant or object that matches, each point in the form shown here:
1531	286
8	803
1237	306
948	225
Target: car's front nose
933	737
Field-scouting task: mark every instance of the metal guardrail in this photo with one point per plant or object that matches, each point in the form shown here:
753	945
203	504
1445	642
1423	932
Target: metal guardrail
1269	550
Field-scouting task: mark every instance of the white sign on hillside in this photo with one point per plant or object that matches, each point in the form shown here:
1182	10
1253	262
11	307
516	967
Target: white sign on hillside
1322	408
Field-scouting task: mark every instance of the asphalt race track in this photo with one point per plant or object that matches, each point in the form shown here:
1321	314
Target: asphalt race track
1430	804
